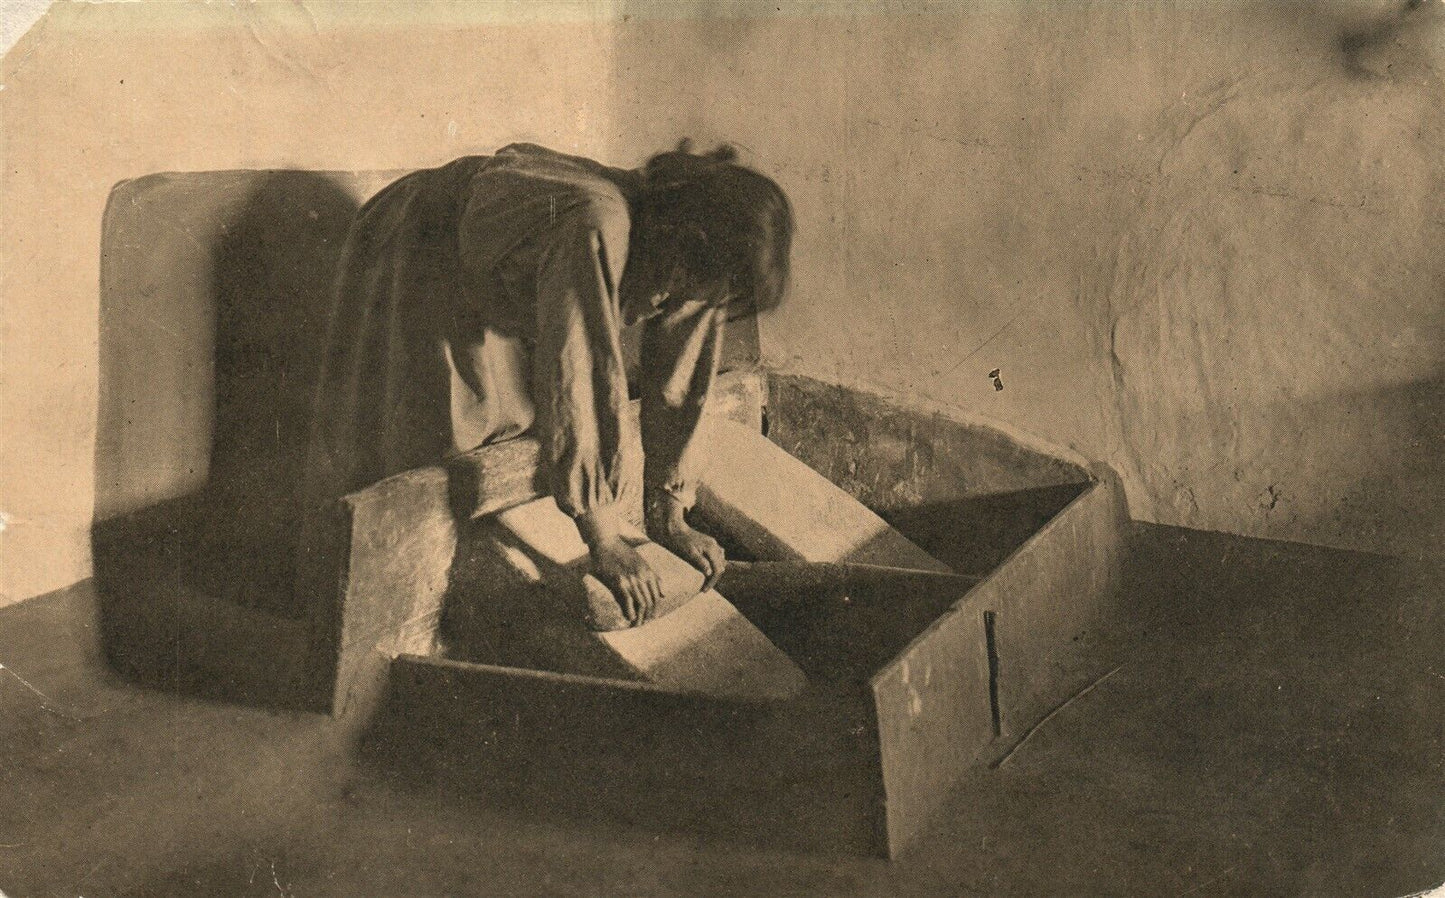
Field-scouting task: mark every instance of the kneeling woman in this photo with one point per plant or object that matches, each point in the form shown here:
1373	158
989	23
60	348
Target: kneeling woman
486	298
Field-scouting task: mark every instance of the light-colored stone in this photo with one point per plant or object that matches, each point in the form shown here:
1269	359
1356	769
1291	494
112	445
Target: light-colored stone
780	509
526	599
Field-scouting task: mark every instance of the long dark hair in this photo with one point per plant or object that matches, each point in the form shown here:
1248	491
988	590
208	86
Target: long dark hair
722	222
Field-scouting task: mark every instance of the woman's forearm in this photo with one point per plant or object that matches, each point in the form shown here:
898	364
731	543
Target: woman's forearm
681	350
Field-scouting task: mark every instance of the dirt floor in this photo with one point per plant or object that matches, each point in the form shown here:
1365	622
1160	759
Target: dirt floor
1276	729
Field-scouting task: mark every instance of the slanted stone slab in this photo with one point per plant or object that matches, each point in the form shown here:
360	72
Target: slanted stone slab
776	507
523	598
376	567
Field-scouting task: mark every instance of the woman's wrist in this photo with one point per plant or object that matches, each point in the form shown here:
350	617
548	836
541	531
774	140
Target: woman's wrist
665	512
599	525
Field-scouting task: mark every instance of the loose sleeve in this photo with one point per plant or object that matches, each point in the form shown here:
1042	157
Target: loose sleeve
680	352
580	380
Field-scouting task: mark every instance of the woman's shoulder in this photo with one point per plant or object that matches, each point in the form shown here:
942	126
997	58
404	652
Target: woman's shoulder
558	173
535	154
526	178
528	195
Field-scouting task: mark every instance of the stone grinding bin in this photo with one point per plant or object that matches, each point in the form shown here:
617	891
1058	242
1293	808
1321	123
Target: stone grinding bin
895	694
906	679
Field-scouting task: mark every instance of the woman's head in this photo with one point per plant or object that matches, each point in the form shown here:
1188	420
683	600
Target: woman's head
718	226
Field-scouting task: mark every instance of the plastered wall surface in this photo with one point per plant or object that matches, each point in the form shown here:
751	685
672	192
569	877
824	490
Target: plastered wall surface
1196	240
100	93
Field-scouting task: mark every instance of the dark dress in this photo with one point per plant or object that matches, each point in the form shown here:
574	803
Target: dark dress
479	301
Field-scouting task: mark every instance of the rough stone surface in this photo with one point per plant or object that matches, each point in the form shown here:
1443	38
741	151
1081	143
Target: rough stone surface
522	597
776	507
934	718
374	573
1057	607
897	457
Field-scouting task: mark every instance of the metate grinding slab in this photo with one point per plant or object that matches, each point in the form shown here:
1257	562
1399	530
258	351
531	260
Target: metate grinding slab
528	601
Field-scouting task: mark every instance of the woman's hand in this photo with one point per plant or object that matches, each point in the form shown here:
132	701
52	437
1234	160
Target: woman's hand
668	527
632	580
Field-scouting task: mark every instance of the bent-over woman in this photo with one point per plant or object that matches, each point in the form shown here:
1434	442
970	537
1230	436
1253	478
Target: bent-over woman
486	299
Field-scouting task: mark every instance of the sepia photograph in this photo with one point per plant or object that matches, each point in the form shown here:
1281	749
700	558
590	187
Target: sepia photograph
722	448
